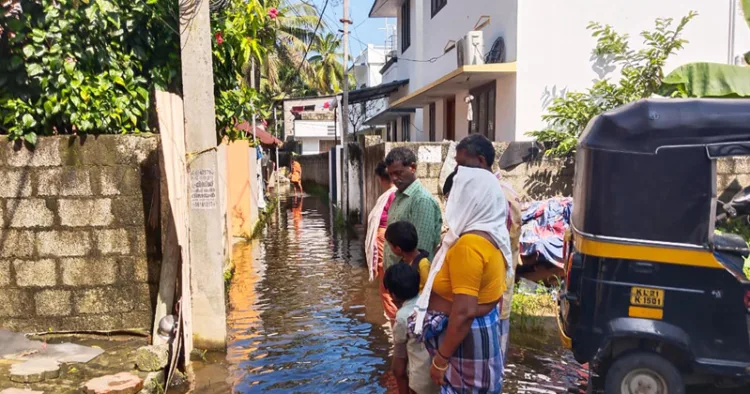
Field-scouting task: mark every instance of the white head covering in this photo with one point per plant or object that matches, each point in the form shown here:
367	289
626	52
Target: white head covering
476	203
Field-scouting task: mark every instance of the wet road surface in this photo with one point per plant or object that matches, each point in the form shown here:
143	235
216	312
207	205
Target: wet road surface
305	319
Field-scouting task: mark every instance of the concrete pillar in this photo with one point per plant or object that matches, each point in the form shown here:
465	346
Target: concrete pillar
206	220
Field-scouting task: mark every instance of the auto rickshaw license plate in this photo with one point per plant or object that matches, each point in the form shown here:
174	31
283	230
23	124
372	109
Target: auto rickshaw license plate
644	296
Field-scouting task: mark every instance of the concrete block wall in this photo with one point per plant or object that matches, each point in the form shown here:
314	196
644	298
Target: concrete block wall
79	233
315	168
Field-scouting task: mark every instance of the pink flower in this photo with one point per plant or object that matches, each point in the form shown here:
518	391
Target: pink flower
326	105
219	38
273	13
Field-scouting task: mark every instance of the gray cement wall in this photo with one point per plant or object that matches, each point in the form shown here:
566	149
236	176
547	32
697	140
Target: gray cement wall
315	168
80	236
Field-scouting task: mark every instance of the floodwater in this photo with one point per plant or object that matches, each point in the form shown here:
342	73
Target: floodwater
304	317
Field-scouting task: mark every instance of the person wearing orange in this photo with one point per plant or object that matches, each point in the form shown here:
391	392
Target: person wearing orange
377	222
296	177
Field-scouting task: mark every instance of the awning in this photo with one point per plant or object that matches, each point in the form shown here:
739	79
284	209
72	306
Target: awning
375	92
260	132
385	8
462	78
388	115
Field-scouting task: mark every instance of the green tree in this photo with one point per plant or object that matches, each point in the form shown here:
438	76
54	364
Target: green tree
712	80
326	63
641	75
84	66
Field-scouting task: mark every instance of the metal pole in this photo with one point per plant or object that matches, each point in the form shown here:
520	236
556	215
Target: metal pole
276	127
345	106
252	105
732	29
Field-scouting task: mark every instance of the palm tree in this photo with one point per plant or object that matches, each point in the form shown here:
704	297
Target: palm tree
296	29
326	63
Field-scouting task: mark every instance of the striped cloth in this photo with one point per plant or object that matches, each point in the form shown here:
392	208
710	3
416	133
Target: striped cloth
477	365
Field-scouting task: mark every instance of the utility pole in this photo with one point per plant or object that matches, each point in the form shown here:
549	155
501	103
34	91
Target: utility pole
206	212
345	108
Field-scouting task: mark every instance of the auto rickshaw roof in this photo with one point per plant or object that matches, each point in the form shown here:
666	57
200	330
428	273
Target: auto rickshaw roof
644	126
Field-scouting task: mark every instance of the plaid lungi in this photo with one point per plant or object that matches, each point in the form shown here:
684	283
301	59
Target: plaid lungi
477	365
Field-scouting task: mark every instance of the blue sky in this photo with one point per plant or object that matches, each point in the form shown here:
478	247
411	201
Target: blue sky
367	29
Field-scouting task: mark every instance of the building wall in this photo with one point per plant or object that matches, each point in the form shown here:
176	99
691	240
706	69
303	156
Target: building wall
557	58
303	101
242	188
80	243
315	168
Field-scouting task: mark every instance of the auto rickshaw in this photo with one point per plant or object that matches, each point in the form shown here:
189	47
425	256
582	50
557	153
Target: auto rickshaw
653	299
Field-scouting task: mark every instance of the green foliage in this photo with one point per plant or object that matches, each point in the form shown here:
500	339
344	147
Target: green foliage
641	74
707	80
710	80
84	66
741	227
528	310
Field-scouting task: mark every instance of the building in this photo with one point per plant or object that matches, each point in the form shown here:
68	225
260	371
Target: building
312	123
547	52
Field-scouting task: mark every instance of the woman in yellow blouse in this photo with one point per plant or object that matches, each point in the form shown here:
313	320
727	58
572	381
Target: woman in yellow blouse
457	315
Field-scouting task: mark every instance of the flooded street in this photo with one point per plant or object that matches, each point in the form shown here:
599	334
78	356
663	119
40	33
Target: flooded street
305	319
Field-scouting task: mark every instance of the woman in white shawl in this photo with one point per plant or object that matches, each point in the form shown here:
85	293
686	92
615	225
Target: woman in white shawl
377	222
457	314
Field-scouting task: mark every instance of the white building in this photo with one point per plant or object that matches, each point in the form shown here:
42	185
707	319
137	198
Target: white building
312	123
548	51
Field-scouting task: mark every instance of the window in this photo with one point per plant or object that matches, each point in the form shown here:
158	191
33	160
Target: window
405	122
332	129
309	108
432	122
437	5
405	25
483	108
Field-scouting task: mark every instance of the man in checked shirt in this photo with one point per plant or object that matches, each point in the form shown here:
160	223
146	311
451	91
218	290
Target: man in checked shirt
413	203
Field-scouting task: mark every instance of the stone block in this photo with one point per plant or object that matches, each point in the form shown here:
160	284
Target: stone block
152	358
128	211
29	212
434	170
113	241
88	271
143	295
741	165
137	319
431	184
135	149
63	243
725	165
92	322
115	181
53	303
69	181
15	303
15	183
139	269
5	278
46	153
35	370
84	213
122	383
423	170
106	300
35	273
16	243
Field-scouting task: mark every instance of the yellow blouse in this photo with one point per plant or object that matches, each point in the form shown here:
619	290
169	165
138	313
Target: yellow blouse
474	267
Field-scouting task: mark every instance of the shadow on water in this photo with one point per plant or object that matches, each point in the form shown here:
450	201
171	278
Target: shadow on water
305	319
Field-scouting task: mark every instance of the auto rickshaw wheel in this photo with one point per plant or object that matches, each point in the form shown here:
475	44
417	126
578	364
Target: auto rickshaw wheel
643	373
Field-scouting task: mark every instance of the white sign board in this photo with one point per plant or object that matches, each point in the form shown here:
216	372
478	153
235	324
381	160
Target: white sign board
202	189
430	154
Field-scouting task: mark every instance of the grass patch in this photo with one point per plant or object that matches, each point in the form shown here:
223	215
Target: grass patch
263	219
528	311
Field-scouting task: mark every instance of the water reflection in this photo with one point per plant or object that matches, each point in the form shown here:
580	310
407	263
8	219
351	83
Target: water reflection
305	319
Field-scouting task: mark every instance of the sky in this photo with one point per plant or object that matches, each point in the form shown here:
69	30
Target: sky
364	30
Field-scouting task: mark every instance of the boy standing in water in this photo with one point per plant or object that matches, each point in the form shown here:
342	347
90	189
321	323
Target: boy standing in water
403	239
411	361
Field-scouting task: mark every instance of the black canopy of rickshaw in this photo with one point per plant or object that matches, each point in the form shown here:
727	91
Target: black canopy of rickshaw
644	171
